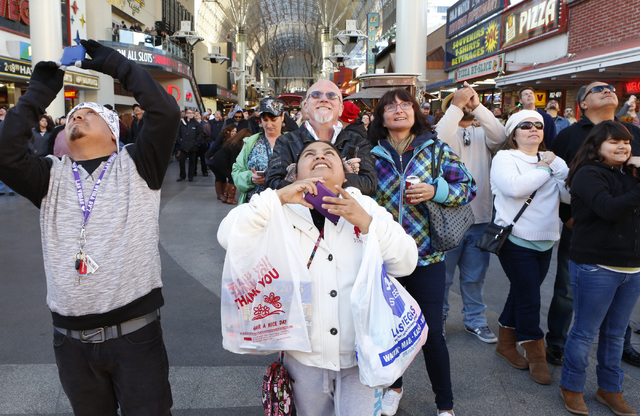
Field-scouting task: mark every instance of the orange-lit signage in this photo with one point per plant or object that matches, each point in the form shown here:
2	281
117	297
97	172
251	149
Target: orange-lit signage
71	94
171	89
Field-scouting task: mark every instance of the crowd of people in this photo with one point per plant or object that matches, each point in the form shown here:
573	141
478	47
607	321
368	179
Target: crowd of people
578	181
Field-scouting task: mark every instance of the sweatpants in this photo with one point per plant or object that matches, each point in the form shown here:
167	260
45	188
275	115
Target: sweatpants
321	392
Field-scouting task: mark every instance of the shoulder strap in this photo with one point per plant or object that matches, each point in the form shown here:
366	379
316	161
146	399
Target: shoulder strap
435	162
526	203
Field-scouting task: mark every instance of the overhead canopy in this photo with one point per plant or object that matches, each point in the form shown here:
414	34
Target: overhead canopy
368	93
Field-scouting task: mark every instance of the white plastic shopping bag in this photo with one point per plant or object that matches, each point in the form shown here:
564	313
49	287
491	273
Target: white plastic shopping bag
390	327
261	301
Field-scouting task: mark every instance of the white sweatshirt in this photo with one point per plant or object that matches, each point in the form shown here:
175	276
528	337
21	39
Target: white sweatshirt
514	177
483	143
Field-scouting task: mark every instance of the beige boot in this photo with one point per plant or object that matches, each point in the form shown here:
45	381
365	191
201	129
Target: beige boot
574	401
536	355
507	349
615	402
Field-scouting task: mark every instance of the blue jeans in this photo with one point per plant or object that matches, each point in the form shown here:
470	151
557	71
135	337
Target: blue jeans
131	372
603	301
526	269
473	264
426	285
561	307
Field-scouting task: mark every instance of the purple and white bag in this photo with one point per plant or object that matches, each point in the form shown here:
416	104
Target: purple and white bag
390	327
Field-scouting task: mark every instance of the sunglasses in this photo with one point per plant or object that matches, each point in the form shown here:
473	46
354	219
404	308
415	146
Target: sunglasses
527	125
405	105
317	95
600	88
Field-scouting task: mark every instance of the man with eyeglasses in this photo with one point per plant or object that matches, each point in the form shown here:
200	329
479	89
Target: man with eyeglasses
568	114
474	145
528	101
323	104
553	108
598	102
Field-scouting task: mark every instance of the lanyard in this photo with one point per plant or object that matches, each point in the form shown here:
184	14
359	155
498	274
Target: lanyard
315	248
86	208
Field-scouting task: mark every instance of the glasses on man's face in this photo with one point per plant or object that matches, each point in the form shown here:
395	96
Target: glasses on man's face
600	88
405	105
238	117
331	95
528	125
465	138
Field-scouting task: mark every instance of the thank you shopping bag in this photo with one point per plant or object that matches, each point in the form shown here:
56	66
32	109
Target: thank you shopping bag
262	307
390	327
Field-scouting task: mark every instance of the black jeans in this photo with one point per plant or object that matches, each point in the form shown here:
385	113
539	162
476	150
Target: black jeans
426	285
526	269
193	158
132	372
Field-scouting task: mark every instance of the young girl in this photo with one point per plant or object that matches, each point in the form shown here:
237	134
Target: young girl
605	263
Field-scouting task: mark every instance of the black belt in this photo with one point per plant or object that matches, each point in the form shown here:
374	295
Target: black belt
102	334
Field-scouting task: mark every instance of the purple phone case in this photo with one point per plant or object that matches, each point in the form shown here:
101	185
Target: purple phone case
316	201
72	54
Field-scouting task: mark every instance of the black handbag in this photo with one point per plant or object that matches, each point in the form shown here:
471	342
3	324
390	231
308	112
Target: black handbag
447	225
494	236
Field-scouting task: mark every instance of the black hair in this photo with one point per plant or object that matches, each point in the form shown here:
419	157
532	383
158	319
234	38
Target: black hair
307	144
589	151
133	107
378	132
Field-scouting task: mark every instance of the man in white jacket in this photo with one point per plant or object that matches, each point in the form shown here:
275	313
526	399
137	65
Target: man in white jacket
475	146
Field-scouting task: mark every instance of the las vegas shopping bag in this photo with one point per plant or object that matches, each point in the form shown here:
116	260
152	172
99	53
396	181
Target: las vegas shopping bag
390	327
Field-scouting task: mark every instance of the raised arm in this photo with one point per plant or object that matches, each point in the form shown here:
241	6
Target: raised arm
153	146
19	169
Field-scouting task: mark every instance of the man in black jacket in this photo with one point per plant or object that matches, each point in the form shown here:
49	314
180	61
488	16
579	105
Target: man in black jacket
190	137
99	211
323	104
598	102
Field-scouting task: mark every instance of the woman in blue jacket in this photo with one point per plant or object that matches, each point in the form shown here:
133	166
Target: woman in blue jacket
604	263
404	145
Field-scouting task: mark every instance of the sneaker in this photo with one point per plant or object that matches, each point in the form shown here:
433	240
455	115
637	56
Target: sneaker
390	402
447	413
483	333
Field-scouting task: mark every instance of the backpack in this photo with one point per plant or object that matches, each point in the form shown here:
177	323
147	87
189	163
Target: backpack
277	390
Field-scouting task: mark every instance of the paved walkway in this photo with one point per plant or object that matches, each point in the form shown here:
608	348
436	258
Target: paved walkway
208	380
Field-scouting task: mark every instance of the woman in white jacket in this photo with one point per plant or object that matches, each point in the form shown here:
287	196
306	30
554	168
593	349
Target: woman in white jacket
518	171
327	379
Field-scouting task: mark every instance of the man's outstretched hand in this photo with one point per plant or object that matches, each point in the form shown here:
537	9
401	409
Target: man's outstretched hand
98	54
48	73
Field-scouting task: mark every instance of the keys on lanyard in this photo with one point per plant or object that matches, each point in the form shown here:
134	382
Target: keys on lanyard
84	264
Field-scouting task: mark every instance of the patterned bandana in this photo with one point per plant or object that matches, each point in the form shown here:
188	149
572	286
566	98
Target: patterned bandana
110	117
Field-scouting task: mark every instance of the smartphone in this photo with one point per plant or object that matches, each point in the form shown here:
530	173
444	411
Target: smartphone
260	173
72	54
316	201
352	151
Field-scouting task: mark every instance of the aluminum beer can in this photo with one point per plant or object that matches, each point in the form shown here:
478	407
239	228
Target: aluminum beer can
410	180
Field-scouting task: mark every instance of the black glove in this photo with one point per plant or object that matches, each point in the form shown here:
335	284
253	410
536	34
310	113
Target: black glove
98	54
48	73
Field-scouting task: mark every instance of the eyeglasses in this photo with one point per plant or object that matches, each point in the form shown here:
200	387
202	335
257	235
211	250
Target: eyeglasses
600	88
331	95
237	116
405	105
527	125
465	138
